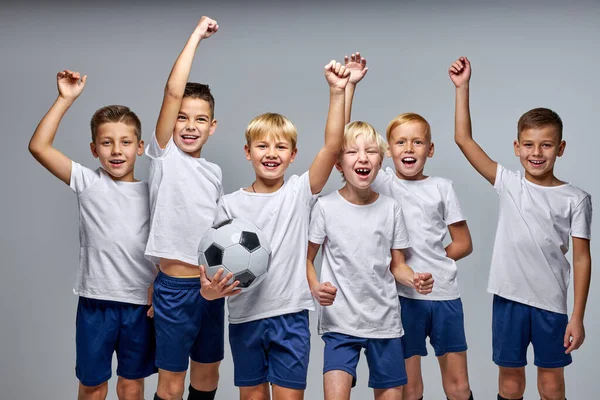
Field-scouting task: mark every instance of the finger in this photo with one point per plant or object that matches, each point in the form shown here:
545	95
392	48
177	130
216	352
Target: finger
326	303
337	68
329	290
232	287
326	296
329	66
328	284
150	312
84	80
225	280
345	59
363	61
346	72
567	338
365	71
217	277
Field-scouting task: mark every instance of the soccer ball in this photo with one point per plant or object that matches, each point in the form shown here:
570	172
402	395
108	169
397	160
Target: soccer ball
237	246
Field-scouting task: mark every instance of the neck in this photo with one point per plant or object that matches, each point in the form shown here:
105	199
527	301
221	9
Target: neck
417	177
128	177
266	185
547	179
358	196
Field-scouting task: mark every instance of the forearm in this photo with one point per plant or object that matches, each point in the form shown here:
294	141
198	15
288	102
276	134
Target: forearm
334	128
457	250
403	274
44	134
582	271
311	275
462	117
181	69
349	97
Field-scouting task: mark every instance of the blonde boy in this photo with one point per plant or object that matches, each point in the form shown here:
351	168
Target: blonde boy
364	239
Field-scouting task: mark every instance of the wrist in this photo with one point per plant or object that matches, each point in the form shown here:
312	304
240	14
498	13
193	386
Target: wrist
576	317
463	88
65	99
336	91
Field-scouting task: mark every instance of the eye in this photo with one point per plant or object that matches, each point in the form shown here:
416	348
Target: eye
281	147
418	142
106	142
527	145
201	119
126	142
400	142
547	145
372	152
261	146
181	118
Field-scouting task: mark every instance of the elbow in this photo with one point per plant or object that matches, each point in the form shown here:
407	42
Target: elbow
34	149
173	92
468	248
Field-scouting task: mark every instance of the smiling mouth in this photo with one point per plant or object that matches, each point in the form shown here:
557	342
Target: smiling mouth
271	164
189	138
362	171
409	160
537	163
117	162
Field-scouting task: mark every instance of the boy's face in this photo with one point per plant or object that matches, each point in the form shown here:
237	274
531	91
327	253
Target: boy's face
537	148
360	162
270	156
117	146
410	147
194	125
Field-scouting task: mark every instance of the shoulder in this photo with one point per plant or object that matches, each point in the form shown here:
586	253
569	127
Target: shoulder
578	194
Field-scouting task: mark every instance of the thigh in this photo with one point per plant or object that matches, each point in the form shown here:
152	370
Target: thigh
547	336
386	363
209	346
511	333
258	392
289	350
341	353
448	327
249	351
137	343
416	322
96	336
176	321
453	367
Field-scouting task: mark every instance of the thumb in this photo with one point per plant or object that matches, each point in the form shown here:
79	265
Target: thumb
567	338
84	80
328	284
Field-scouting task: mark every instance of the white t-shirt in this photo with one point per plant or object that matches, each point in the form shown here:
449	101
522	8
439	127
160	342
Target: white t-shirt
113	228
283	216
429	206
184	192
357	242
534	222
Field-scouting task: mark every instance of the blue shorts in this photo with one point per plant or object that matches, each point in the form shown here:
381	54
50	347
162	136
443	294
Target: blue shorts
274	349
385	358
187	325
441	320
515	325
103	327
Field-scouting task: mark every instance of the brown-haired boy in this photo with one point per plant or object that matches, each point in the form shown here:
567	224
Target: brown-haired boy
114	277
530	273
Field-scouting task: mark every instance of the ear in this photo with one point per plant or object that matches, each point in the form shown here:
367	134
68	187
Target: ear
247	151
213	127
140	150
431	150
517	148
388	152
294	152
338	166
561	148
93	149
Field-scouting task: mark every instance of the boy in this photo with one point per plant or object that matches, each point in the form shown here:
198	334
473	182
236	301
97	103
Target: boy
529	275
184	190
268	331
431	210
362	232
114	277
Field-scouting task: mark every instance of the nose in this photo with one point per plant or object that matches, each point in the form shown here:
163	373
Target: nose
537	150
409	147
362	156
116	149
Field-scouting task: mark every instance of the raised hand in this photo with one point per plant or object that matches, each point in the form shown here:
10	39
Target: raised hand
70	84
357	66
460	72
423	282
337	75
206	27
324	293
218	287
574	335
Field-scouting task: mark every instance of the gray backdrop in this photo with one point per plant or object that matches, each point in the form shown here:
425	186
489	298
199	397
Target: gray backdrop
270	58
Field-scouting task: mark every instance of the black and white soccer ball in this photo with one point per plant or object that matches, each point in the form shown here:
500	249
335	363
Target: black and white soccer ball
237	246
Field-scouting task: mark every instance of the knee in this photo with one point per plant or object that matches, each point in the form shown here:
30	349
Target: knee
170	391
93	392
512	385
130	389
458	390
412	390
205	378
551	389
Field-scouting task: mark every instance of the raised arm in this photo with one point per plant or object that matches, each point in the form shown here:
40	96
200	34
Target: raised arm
358	69
461	245
421	282
337	76
70	85
460	74
175	87
582	272
324	292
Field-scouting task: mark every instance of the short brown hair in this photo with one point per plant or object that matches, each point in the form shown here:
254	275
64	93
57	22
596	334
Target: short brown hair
200	91
404	119
271	124
115	113
539	118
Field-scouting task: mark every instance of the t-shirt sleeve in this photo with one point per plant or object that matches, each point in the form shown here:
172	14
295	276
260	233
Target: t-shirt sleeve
222	213
82	177
154	151
452	211
316	230
504	177
400	240
581	219
302	188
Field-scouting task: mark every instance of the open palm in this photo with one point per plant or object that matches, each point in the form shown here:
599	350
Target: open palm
357	66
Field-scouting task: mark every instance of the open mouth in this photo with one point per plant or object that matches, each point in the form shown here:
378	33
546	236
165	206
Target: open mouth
363	171
409	160
117	162
271	165
537	163
189	138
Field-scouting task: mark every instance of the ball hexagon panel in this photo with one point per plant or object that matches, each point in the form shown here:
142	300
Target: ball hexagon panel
246	278
236	258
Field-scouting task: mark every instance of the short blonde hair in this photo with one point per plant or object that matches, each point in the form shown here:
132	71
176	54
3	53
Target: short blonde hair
271	125
405	118
359	128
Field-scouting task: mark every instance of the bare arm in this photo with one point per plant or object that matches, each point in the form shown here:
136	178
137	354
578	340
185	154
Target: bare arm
358	69
40	146
582	272
178	79
323	292
461	245
421	282
337	77
460	74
